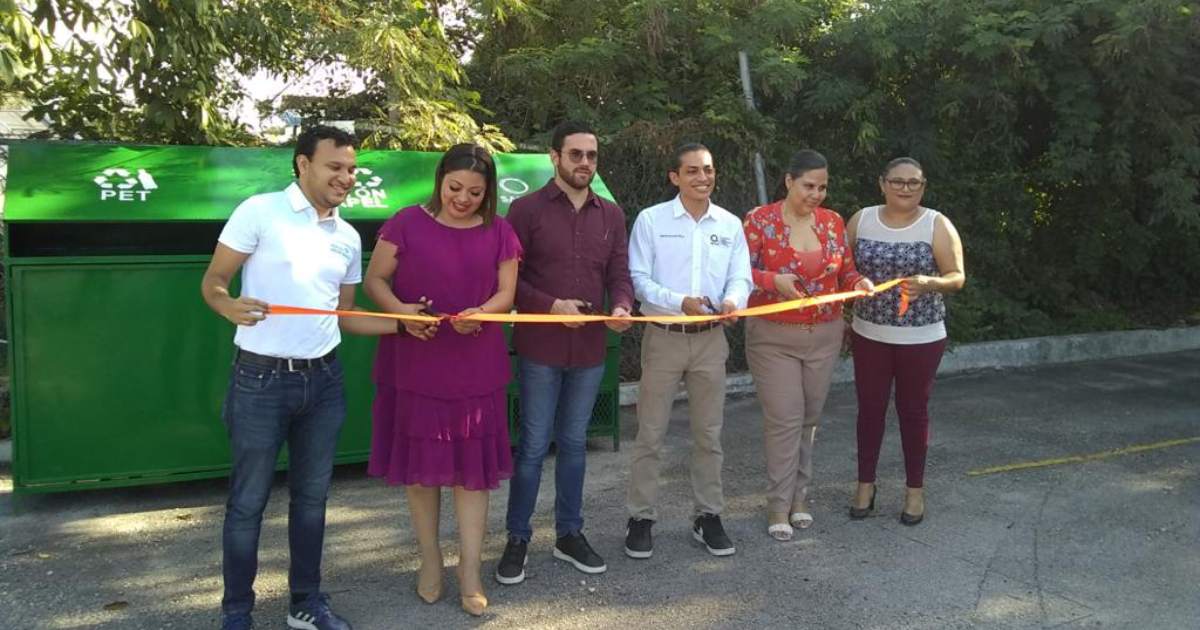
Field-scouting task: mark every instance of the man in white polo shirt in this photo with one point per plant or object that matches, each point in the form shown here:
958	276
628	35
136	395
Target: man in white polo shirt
686	256
293	248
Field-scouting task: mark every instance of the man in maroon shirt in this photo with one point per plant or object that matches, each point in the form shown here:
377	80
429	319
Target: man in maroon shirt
575	254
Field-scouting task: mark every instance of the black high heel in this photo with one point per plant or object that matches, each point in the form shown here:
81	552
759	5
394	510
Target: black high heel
912	519
858	514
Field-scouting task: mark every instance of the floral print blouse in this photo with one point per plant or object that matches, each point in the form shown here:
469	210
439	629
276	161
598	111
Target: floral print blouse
770	255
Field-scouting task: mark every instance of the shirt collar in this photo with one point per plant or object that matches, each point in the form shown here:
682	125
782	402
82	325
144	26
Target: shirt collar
554	192
677	209
299	203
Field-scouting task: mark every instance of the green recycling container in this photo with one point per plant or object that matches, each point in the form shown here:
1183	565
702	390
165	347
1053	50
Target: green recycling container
118	368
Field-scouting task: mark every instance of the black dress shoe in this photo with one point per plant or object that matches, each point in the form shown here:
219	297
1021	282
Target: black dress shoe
857	513
911	519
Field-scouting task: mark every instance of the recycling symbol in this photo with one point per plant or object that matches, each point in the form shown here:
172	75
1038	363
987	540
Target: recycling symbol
373	182
124	183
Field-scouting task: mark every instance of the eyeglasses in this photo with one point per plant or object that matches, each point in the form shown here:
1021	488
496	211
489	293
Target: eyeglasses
575	155
901	184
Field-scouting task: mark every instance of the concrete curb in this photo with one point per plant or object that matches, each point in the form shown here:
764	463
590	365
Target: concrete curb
1015	353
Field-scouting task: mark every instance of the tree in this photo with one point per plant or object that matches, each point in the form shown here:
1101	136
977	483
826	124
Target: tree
171	70
1062	138
650	74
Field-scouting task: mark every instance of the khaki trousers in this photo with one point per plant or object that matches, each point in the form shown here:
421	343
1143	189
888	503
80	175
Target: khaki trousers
699	359
792	368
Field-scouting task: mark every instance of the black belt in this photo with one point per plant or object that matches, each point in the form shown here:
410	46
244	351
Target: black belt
289	365
687	328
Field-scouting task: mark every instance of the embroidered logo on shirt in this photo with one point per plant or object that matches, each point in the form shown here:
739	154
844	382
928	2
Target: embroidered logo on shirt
670	236
342	250
722	241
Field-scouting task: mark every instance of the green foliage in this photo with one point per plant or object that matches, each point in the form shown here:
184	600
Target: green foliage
415	95
1063	139
649	74
171	71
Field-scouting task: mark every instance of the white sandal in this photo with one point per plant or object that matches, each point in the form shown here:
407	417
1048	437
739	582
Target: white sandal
801	520
781	532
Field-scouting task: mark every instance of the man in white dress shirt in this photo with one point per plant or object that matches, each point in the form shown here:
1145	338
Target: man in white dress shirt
686	256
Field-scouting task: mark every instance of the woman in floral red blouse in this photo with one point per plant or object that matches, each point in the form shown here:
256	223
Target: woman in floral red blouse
797	249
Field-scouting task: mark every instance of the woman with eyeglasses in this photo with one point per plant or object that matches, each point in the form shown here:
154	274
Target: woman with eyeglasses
900	238
797	249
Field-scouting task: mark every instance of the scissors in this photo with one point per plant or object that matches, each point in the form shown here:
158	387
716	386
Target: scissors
587	308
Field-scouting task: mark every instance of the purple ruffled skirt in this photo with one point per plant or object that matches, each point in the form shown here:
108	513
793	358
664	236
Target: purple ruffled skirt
428	441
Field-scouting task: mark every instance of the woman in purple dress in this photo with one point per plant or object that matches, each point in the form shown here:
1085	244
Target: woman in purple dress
440	412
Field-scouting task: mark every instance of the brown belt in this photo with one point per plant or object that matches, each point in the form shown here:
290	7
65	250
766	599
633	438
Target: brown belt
687	328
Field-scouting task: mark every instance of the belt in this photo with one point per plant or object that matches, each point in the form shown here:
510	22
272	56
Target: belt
807	326
687	328
288	365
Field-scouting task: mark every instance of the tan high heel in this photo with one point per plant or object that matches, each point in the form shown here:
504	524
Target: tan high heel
473	604
430	594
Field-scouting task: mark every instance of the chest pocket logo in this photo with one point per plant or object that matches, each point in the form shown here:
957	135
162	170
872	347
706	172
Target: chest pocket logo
342	250
719	241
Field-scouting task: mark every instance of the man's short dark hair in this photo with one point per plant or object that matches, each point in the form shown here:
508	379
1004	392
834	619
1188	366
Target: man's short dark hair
684	149
568	128
306	144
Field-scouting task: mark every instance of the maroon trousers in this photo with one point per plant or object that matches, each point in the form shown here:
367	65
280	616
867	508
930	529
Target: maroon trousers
912	368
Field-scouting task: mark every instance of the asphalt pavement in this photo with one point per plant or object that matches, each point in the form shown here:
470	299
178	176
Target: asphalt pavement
1057	497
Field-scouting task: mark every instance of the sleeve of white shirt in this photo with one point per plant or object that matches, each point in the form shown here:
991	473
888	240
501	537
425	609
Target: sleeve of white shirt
242	229
739	282
354	271
641	267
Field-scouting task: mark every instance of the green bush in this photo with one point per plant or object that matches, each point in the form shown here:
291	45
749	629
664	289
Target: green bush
1063	139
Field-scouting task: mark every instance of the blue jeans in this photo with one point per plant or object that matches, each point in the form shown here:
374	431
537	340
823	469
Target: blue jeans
555	403
265	407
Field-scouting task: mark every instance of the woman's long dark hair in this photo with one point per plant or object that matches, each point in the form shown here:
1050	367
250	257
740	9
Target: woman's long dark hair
467	157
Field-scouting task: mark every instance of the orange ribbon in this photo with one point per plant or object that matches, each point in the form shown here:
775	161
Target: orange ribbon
546	318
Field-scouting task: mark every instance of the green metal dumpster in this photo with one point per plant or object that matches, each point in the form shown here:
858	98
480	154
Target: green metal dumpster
118	369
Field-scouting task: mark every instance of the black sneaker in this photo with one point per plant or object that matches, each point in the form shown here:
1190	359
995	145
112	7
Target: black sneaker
708	530
638	543
574	548
511	569
314	613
